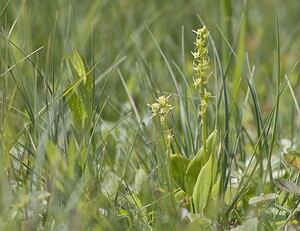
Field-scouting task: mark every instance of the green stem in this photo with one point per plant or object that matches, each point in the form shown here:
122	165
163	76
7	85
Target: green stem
169	166
203	114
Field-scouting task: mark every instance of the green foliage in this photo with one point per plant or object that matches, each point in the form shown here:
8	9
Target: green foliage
80	105
79	150
205	181
179	165
196	165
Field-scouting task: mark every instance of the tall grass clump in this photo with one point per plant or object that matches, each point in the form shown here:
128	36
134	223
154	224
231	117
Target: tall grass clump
111	118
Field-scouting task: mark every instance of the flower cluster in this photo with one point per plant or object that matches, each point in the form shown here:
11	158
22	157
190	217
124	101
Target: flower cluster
169	137
204	102
161	108
201	66
201	60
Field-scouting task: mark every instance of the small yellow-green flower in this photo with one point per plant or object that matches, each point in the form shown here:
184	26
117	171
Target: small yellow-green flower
169	137
161	108
201	60
201	66
204	102
154	108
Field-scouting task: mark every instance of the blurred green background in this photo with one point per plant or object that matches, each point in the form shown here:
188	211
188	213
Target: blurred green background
111	30
118	33
105	29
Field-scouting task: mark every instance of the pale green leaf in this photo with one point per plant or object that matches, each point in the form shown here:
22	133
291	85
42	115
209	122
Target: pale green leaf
81	71
198	162
179	166
204	184
75	108
79	66
78	110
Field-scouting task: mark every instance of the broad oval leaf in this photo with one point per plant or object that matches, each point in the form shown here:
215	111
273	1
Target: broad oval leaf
205	181
203	186
179	165
198	162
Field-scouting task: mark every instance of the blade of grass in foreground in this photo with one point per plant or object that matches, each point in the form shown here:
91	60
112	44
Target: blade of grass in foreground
277	75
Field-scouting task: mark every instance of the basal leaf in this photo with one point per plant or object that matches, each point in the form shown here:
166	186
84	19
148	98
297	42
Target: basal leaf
179	165
198	162
205	181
